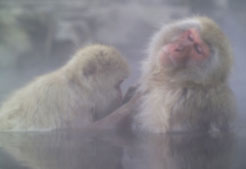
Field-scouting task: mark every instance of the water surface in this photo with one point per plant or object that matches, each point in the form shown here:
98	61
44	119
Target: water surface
75	149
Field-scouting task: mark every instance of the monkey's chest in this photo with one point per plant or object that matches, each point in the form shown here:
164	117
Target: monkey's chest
176	110
189	111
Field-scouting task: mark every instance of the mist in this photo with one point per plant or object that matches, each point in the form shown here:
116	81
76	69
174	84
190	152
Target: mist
37	37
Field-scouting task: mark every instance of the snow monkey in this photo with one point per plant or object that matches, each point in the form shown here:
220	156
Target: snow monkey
84	90
184	79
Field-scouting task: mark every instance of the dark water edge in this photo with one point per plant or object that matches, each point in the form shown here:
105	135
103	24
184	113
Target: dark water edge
75	149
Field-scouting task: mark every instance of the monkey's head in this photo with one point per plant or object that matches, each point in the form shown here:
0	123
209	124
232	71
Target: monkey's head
100	70
192	51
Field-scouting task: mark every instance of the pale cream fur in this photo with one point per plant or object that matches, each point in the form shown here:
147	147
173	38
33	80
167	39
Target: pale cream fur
70	96
194	98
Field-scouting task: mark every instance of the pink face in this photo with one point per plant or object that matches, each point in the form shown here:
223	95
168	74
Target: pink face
188	46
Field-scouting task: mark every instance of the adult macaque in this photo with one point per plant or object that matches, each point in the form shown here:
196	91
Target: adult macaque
184	81
86	89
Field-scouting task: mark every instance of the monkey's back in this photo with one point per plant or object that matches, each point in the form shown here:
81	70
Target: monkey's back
46	103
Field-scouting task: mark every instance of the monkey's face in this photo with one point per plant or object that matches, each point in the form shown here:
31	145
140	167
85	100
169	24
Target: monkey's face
192	51
186	47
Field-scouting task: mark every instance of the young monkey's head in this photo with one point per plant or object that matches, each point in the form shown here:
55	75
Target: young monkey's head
99	70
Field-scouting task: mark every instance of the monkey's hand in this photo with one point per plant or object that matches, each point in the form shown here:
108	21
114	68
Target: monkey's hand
120	118
130	93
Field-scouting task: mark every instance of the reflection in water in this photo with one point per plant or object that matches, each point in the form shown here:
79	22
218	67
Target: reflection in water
180	151
73	150
61	150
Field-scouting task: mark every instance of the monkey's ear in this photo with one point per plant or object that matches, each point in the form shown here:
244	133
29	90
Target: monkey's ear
89	70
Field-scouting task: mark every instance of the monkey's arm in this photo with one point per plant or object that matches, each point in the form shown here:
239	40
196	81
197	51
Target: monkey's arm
119	119
130	93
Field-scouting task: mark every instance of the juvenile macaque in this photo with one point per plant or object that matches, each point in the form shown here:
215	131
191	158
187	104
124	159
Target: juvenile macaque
84	90
184	79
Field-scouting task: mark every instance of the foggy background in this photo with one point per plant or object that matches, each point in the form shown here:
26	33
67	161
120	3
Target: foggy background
38	36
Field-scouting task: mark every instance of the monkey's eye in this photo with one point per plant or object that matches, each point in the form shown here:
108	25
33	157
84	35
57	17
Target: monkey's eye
198	49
